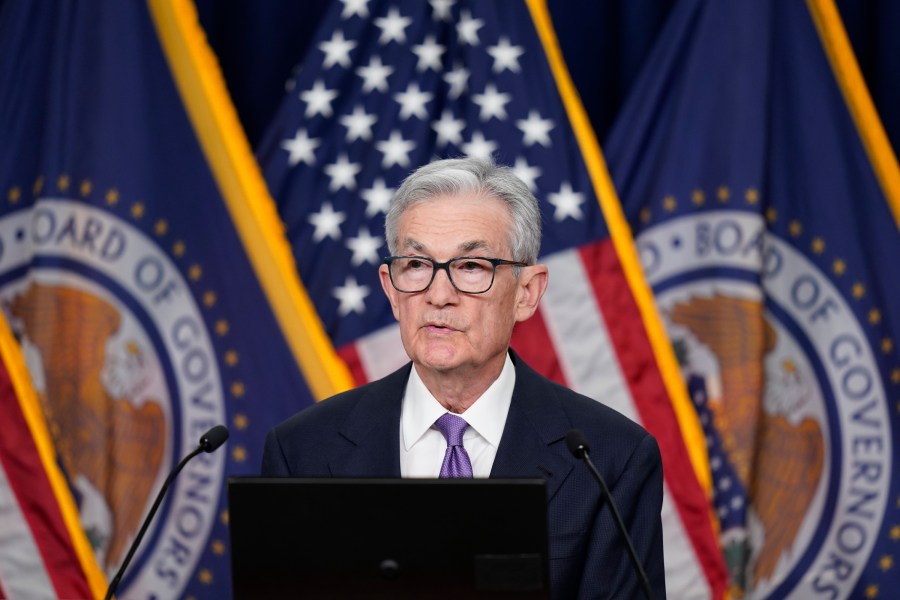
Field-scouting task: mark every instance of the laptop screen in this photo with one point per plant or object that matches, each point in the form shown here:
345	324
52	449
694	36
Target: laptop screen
388	538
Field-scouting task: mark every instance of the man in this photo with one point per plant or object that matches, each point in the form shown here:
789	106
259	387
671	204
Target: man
464	236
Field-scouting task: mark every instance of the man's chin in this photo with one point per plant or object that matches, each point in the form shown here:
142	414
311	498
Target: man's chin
441	359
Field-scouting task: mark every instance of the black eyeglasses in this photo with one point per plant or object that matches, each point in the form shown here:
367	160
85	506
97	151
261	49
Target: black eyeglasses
468	274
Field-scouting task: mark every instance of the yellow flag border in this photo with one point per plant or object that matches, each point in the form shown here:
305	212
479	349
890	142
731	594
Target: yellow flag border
212	114
11	354
846	70
622	239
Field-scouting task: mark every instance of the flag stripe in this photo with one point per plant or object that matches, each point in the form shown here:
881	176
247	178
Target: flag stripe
580	335
54	519
533	343
622	239
701	524
383	352
214	119
34	496
22	570
859	100
349	353
634	351
685	573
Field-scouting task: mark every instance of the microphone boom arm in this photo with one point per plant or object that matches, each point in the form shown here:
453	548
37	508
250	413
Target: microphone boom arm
578	446
210	441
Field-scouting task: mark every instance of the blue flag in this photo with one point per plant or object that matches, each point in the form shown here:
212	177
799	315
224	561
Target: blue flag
390	85
764	201
143	278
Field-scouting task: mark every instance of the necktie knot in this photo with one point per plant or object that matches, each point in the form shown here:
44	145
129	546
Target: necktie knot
452	427
456	460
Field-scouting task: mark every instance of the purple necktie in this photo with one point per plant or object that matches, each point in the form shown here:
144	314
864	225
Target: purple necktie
456	460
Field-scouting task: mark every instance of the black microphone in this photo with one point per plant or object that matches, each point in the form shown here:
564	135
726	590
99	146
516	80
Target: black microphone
578	446
209	442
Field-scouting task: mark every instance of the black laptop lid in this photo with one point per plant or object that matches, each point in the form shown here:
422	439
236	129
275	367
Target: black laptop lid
388	538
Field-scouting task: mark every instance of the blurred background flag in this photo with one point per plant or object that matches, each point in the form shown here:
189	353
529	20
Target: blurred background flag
44	552
390	85
144	270
765	202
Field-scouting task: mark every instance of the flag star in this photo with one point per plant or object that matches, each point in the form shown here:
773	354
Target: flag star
327	223
567	203
375	75
300	148
448	129
478	147
467	28
492	103
526	173
395	150
393	27
535	129
505	56
378	198
412	102
318	100
355	7
343	174
441	9
358	124
337	50
351	296
458	80
429	53
364	247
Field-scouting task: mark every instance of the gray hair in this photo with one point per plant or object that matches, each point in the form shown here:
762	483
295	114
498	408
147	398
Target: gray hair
464	176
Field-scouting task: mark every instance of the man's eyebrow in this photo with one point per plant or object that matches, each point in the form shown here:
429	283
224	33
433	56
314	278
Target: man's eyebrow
464	248
467	247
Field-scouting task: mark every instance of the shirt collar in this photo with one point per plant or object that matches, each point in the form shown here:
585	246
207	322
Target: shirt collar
487	415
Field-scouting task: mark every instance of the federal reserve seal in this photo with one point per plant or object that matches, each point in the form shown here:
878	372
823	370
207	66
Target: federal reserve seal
126	373
788	390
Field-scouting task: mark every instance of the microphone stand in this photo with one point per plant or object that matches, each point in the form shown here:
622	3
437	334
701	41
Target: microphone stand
580	449
214	438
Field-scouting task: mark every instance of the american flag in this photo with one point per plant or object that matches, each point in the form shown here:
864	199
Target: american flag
390	85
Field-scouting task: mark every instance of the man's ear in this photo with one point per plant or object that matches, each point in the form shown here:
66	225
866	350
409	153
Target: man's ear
532	284
388	288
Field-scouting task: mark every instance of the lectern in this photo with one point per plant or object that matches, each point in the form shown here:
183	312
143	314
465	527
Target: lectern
388	538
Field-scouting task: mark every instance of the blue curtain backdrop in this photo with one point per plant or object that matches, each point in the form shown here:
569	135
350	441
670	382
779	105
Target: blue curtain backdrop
605	43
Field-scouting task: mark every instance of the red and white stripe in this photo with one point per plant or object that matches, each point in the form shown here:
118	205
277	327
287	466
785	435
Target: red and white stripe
37	556
589	336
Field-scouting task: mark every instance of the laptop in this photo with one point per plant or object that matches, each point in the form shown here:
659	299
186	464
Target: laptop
388	538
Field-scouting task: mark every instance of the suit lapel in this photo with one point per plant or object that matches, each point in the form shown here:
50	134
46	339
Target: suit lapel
533	442
373	431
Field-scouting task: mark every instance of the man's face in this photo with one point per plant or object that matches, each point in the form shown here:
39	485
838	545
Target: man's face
443	329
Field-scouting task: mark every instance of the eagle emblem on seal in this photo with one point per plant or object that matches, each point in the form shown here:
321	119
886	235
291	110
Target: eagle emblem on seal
100	435
778	457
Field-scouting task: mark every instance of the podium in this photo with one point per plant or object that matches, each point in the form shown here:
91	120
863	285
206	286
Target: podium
388	538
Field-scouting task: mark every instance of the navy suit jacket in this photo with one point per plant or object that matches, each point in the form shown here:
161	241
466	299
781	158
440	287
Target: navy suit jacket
357	434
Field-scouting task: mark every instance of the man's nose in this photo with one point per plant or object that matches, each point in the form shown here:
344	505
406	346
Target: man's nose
441	291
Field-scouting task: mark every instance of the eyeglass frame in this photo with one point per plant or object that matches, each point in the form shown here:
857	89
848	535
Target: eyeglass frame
445	266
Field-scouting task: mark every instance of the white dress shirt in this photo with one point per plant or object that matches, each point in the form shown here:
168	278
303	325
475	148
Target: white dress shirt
422	447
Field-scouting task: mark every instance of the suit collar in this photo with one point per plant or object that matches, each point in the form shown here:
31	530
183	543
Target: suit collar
533	443
373	430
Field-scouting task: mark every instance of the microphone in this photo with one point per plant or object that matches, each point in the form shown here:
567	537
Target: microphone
578	446
209	442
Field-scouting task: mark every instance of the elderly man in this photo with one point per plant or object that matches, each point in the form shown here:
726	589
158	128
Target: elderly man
464	235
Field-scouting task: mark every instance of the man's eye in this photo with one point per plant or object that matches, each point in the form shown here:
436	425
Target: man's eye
414	263
471	265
